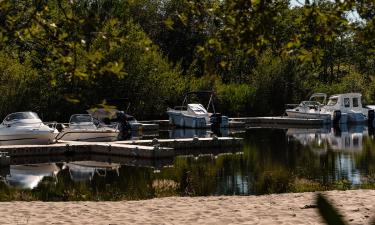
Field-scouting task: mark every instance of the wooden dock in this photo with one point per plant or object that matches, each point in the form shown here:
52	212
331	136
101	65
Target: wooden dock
189	143
243	122
166	125
110	148
150	149
279	121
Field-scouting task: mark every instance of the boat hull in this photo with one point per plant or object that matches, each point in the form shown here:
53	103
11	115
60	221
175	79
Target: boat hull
356	117
305	115
179	119
87	135
326	117
28	138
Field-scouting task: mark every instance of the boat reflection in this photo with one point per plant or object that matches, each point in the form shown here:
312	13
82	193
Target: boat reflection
85	170
28	176
202	133
343	138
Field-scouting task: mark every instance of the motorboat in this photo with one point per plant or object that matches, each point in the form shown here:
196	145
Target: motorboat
351	105
341	108
30	175
311	109
83	127
22	128
114	114
195	115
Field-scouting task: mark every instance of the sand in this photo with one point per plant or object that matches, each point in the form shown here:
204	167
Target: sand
357	207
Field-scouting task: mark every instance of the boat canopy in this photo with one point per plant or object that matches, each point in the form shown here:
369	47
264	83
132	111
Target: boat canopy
81	118
210	101
319	96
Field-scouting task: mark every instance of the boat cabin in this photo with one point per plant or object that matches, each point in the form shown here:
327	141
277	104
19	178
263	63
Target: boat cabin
345	102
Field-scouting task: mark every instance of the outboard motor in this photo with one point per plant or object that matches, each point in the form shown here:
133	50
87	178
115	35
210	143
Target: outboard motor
336	117
123	125
216	121
370	117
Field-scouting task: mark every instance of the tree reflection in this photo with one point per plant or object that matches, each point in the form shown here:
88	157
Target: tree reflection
272	161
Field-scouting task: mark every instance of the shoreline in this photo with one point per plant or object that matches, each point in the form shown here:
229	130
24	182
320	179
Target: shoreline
356	206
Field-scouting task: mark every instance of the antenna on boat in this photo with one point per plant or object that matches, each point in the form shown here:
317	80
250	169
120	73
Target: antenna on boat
210	102
183	102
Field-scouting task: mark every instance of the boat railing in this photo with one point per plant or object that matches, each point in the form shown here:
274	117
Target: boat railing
112	125
51	124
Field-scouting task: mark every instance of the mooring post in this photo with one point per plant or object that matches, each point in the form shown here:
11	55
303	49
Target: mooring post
4	159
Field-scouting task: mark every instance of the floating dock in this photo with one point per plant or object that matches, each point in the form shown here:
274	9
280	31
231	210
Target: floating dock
243	122
279	121
189	143
150	149
164	124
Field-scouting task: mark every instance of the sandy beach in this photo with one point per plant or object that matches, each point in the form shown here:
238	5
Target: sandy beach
357	206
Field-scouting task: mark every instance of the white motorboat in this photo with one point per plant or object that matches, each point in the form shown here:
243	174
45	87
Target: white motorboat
29	176
112	113
351	105
341	108
83	127
195	115
23	128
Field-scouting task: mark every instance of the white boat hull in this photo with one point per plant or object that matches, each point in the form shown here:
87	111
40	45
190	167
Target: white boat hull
307	115
89	136
28	138
179	119
326	117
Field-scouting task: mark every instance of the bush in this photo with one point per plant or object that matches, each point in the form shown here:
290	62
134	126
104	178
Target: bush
17	85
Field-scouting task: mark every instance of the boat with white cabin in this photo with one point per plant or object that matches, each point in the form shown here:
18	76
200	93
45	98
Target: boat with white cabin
340	108
84	127
24	128
195	115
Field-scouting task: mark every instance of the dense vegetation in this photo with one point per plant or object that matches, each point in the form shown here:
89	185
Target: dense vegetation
62	57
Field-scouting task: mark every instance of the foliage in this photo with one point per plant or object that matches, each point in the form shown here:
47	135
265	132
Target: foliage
16	84
257	55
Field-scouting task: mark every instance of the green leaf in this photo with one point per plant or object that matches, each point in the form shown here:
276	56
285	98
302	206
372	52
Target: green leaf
169	23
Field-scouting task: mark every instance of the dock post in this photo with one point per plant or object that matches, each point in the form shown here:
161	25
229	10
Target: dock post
4	159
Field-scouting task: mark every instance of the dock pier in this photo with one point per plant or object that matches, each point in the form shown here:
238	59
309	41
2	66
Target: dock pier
244	122
280	121
150	149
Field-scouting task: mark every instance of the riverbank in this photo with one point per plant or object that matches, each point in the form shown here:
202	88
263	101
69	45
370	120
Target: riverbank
357	206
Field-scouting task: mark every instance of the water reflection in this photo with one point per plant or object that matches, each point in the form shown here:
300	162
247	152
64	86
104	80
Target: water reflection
272	161
342	138
29	176
84	170
182	133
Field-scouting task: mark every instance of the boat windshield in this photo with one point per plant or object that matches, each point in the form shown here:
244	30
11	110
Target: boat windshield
81	119
21	116
332	101
310	103
198	108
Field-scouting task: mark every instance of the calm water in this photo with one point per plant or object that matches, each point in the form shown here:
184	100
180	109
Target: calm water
272	161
